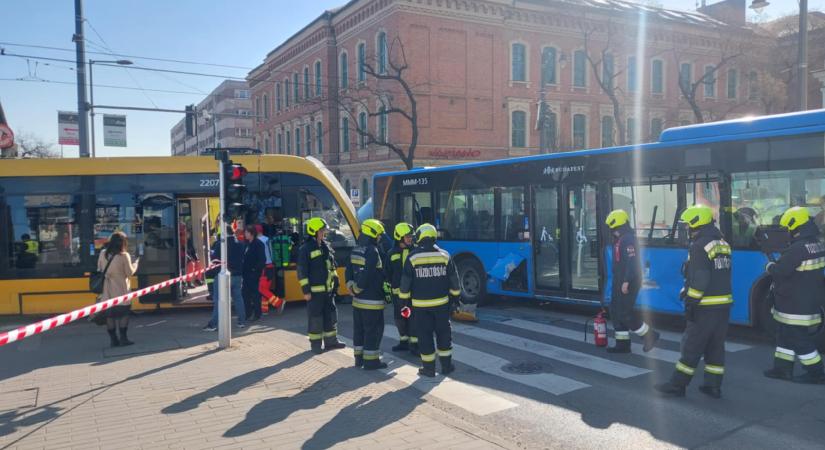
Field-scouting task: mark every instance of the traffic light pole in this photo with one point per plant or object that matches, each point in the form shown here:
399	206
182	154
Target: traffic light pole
224	311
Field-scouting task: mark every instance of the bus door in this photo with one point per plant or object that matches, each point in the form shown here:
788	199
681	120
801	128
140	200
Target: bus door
415	208
581	236
546	239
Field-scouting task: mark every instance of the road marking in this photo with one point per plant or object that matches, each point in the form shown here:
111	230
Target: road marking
458	393
566	356
566	333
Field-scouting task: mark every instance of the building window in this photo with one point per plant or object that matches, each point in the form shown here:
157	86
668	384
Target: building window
288	142
657	75
362	129
347	187
298	141
518	123
579	131
733	83
257	109
631	74
519	62
344	71
286	92
308	138
382	52
607	131
548	65
608	71
306	82
631	130
319	137
382	124
266	107
345	134
279	140
266	144
655	129
296	92
278	96
753	85
710	82
362	60
365	190
686	76
549	137
317	78
242	93
579	69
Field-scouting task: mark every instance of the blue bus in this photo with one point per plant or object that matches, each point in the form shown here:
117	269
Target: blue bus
532	227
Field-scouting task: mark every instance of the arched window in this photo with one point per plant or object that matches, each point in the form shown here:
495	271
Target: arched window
296	92
579	131
362	59
288	142
579	68
382	124
286	92
548	65
362	128
298	141
345	134
657	76
266	107
347	186
319	137
278	96
344	71
519	126
607	131
365	190
382	52
317	78
306	82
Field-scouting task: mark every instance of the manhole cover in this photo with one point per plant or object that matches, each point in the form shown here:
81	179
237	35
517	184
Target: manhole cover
524	368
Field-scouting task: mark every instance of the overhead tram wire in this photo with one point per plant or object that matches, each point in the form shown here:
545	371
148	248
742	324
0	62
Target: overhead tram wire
109	86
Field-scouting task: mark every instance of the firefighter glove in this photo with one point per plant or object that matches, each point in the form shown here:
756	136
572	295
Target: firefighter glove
406	312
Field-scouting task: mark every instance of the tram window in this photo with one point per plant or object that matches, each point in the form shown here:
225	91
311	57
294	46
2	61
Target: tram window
317	201
760	198
466	214
44	232
512	221
653	211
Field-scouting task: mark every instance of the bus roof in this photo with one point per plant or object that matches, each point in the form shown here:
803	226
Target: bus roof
728	130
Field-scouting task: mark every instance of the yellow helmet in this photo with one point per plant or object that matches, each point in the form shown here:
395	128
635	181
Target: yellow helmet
794	218
401	230
372	228
426	231
617	218
315	224
697	215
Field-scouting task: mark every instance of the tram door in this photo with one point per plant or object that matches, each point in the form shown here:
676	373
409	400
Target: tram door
194	243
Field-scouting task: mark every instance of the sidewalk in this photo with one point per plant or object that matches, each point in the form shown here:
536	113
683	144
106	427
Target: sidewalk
173	389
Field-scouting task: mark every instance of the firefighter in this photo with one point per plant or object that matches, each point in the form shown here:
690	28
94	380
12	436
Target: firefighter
318	280
408	340
707	298
430	282
798	292
627	280
365	280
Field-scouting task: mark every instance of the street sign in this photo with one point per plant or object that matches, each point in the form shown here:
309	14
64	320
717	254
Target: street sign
355	196
6	137
114	130
68	130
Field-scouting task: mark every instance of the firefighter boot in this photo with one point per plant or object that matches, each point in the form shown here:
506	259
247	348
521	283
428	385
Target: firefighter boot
374	364
402	346
782	370
428	370
670	389
651	338
814	374
333	343
315	346
447	366
621	346
711	391
359	361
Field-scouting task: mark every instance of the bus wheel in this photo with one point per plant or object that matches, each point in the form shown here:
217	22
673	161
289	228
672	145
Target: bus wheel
473	281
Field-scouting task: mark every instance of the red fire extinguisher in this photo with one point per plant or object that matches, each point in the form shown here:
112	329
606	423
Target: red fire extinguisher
600	329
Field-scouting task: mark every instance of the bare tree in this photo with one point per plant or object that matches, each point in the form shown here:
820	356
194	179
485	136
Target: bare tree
30	145
690	88
606	75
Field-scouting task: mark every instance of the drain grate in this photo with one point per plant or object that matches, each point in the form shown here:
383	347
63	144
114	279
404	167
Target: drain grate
525	368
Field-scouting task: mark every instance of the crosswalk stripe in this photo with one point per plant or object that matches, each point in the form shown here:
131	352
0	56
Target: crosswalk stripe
566	356
458	393
566	333
731	347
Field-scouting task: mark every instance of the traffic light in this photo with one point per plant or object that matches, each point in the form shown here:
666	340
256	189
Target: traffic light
189	123
234	190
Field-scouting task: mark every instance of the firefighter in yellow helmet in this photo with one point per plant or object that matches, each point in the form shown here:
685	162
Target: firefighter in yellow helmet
799	291
627	280
365	279
318	280
430	283
403	235
707	297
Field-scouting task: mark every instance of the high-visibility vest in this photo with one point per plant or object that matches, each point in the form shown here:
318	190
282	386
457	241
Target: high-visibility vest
281	247
32	247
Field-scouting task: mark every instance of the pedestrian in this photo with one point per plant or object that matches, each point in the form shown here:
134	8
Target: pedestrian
798	292
254	261
707	298
234	265
627	280
430	282
365	280
319	282
266	282
408	338
116	262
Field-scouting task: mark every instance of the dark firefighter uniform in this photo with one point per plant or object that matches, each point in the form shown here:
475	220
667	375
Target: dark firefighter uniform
707	297
627	274
318	279
799	294
365	280
408	339
430	283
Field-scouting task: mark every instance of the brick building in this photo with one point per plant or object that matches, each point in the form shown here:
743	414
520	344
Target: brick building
230	105
480	69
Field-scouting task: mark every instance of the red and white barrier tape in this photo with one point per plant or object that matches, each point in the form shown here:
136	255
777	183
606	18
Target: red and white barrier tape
63	319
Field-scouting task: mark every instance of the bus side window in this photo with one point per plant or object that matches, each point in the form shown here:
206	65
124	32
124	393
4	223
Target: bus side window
653	210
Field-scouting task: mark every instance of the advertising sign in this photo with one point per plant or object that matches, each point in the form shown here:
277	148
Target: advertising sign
114	130
68	130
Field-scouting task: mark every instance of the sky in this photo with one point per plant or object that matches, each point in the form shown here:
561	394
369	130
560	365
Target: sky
234	33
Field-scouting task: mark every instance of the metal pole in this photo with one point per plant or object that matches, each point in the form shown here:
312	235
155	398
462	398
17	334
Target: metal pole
82	106
803	55
224	322
92	107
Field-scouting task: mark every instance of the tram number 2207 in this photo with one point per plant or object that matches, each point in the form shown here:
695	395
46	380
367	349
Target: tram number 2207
210	182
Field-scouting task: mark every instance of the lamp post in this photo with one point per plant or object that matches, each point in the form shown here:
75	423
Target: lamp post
802	55
91	105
